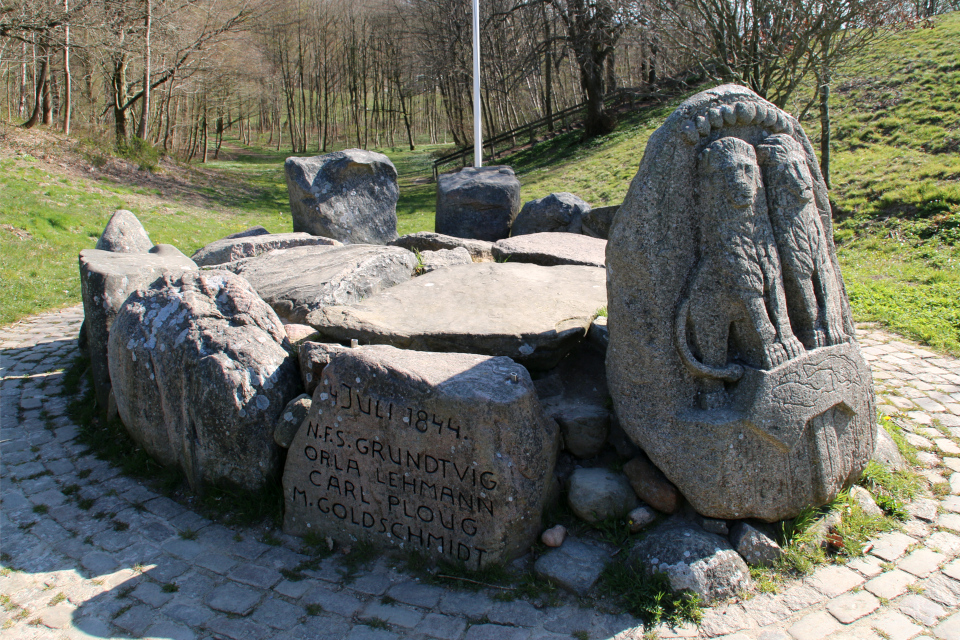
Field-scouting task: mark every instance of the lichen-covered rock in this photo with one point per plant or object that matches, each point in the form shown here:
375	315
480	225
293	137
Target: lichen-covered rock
348	195
106	279
447	454
597	494
480	250
314	358
732	360
301	280
477	202
754	545
560	212
290	420
201	370
693	560
124	234
238	247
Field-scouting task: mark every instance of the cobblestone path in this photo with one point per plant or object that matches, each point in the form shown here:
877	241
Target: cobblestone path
89	553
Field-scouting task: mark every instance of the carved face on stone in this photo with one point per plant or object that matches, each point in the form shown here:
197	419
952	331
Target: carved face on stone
787	162
729	167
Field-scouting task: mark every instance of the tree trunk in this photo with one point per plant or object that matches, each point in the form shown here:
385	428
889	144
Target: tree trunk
67	105
597	122
825	127
43	90
145	117
119	88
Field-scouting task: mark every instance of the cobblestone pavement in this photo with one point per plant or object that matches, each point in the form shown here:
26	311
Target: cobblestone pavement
89	553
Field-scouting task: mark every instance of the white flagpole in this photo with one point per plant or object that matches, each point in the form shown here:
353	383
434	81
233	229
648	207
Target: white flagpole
477	133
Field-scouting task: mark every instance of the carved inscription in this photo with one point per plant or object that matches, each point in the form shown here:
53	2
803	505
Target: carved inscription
422	499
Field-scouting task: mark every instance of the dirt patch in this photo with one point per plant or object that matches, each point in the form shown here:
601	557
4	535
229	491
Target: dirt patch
55	153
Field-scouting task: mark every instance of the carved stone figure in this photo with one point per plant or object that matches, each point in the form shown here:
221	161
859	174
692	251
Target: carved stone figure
736	309
731	358
809	279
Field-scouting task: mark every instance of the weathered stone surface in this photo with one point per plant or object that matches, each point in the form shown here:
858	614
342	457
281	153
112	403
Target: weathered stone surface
714	234
693	559
530	313
201	370
755	546
651	485
886	452
348	195
124	234
584	427
480	250
298	333
550	249
574	566
298	281
433	260
257	230
290	420
597	494
232	248
561	212
106	279
314	357
448	454
477	203
596	222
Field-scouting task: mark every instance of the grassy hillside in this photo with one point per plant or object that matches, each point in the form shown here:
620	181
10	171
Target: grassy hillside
896	190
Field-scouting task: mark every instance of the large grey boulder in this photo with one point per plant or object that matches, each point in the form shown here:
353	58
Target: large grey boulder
445	454
722	248
231	248
350	196
201	371
552	248
298	281
107	278
560	212
480	250
575	566
597	494
124	234
477	202
532	314
596	222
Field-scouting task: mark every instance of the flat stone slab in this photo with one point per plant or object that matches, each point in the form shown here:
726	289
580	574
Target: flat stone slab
552	248
447	454
574	566
530	313
236	248
480	250
300	280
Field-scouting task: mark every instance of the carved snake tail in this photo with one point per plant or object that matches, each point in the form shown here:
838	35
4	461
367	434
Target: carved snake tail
730	373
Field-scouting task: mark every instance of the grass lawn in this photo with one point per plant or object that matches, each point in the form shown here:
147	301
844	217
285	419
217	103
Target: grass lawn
896	192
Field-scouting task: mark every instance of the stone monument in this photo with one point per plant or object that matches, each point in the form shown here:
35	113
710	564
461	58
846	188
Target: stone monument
732	360
477	202
447	454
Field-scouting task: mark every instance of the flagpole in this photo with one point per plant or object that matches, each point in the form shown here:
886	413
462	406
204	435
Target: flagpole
477	133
